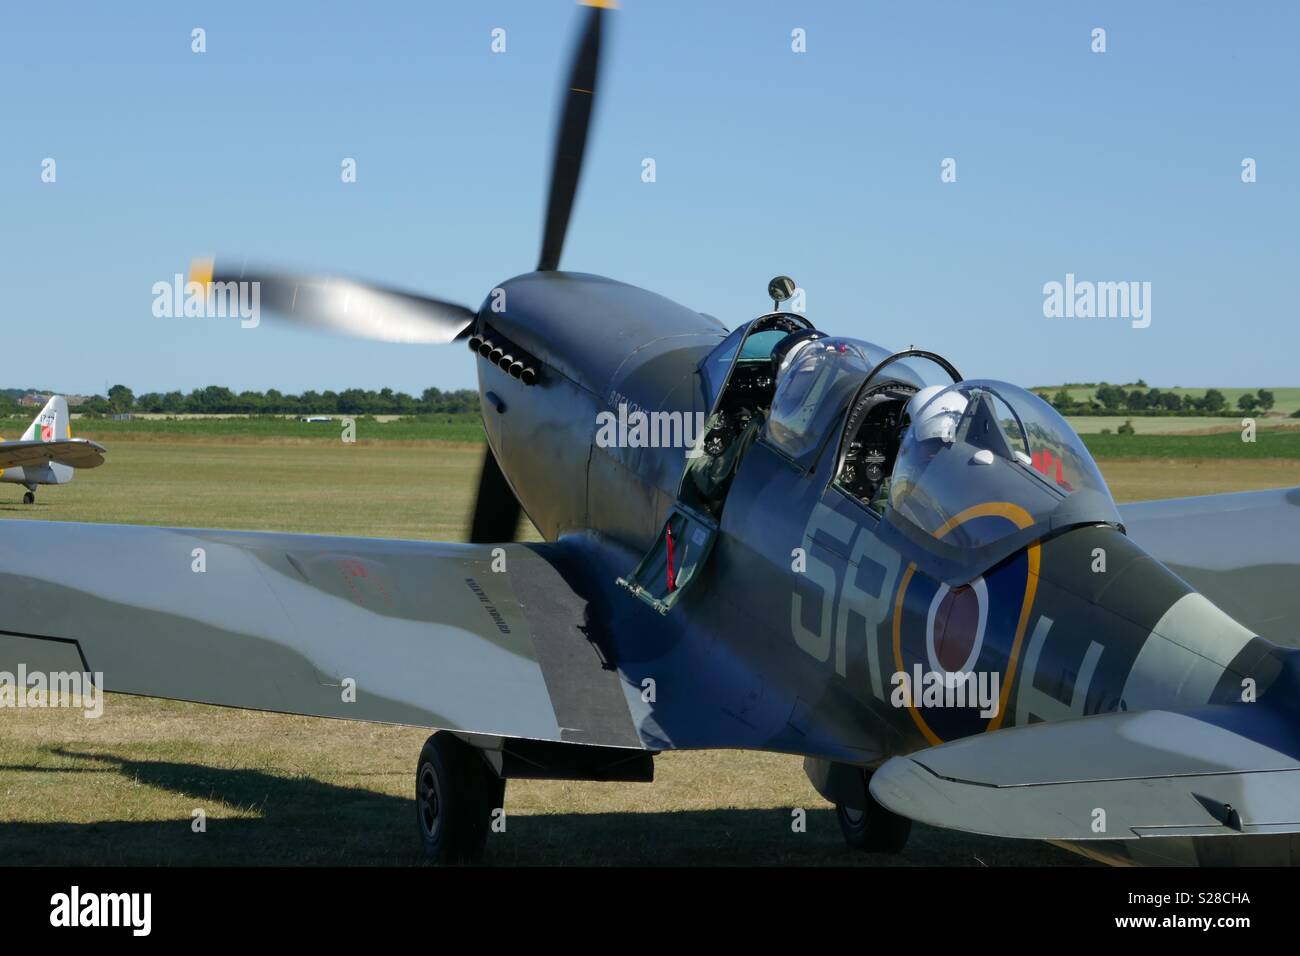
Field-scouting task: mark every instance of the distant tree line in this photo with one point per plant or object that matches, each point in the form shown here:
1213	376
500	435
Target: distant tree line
216	399
1139	399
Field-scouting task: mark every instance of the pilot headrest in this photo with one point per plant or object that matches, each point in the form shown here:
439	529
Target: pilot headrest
935	412
790	346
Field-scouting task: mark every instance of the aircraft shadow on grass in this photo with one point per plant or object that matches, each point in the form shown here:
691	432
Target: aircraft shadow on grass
304	821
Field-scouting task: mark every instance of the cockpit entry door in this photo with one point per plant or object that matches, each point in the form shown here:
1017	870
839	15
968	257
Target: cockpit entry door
675	560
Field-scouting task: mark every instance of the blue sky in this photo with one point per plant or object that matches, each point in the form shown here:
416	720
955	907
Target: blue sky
823	165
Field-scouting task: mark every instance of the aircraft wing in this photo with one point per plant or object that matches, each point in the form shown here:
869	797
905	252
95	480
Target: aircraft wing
76	452
1242	551
1153	773
459	637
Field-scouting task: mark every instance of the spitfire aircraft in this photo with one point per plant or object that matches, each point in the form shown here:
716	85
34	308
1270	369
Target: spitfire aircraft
47	454
916	580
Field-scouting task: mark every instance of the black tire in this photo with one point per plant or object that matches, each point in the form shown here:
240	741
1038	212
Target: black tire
456	793
29	499
873	829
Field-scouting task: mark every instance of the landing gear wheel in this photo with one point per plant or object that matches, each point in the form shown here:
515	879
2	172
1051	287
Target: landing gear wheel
873	829
456	793
29	498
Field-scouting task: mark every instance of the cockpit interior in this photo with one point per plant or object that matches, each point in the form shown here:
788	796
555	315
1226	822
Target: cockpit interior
872	437
752	382
741	388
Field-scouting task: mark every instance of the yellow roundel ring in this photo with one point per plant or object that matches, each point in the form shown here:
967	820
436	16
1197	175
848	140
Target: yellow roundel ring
1021	519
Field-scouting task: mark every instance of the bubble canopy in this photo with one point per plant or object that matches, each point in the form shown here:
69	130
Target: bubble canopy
982	463
973	470
817	383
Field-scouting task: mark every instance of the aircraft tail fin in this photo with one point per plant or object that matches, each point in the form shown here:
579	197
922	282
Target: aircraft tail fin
51	424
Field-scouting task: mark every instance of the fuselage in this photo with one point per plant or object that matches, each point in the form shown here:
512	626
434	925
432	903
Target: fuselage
830	630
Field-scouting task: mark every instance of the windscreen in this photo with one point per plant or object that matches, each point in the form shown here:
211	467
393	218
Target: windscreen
755	339
718	363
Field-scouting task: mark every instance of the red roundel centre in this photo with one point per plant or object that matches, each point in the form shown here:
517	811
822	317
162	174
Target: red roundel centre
956	627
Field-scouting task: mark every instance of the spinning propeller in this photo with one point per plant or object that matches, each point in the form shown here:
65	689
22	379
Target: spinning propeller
370	311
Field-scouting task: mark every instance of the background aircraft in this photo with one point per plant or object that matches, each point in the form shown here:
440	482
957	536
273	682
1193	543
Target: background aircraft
859	523
47	454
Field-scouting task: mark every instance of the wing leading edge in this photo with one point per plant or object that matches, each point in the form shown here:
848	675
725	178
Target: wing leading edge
1153	773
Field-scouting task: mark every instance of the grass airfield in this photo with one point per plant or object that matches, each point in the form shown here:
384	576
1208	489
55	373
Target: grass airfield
281	790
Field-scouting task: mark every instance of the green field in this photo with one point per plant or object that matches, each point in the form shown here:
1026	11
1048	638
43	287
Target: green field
295	790
1155	438
1269	443
453	428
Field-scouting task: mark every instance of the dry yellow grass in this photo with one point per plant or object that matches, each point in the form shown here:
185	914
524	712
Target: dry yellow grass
123	789
1131	480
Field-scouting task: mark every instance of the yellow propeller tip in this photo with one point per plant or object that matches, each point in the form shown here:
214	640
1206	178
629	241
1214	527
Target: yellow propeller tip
603	4
201	271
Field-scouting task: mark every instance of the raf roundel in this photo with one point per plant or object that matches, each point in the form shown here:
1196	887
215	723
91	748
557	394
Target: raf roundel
955	627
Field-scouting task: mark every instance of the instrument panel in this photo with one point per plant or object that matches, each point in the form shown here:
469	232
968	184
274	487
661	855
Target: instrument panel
870	452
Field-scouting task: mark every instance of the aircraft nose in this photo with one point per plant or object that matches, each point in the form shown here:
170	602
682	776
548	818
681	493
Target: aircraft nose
1140	634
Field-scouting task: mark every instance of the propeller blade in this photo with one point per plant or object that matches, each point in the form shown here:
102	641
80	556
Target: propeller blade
496	510
344	305
571	138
